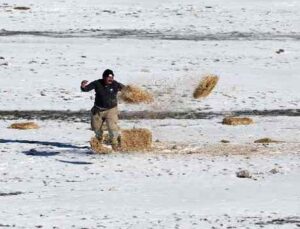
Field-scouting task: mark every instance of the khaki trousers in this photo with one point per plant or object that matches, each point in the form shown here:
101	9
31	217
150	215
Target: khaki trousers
109	116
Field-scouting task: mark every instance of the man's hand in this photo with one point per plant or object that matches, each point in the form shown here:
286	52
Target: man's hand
84	83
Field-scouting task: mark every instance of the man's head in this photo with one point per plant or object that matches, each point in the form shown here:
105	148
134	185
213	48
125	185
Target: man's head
108	76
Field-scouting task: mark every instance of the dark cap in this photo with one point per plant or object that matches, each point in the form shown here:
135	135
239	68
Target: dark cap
107	72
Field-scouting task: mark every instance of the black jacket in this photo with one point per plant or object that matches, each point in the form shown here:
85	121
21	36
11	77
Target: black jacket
105	95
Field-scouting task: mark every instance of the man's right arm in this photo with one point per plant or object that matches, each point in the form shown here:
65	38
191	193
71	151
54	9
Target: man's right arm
85	86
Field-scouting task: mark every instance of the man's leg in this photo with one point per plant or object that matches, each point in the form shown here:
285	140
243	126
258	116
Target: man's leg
112	125
97	121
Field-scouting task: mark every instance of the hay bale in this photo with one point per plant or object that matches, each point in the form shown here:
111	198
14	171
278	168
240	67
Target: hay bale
98	147
206	85
237	121
24	125
266	140
134	94
135	139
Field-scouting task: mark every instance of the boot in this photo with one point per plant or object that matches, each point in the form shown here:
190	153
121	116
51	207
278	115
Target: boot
100	139
115	144
99	136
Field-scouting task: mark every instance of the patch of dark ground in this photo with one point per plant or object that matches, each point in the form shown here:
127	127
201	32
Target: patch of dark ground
281	221
84	115
33	152
10	193
6	225
144	34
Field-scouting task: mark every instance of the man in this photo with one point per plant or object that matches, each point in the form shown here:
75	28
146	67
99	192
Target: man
105	105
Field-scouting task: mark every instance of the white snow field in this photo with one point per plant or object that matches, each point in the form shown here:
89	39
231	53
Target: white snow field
49	178
164	46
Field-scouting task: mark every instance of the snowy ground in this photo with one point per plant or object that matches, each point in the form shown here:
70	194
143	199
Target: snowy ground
252	75
163	46
73	189
50	179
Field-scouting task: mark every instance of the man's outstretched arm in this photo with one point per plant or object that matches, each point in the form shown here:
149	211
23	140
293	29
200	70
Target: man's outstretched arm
120	86
86	86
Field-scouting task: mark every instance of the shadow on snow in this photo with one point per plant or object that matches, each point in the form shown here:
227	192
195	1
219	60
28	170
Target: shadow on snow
56	144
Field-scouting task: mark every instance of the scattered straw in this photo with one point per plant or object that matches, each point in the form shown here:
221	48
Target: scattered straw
206	85
135	140
134	94
237	121
24	125
97	146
